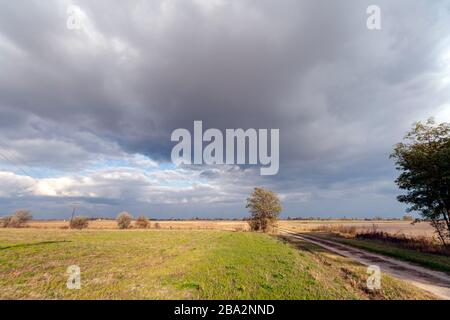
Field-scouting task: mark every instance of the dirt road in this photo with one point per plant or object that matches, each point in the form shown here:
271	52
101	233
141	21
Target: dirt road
435	282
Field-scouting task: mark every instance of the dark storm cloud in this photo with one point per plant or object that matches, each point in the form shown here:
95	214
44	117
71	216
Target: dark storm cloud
342	95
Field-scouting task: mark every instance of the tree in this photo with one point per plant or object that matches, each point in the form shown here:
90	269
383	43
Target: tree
79	223
142	222
18	220
5	221
265	207
424	161
124	220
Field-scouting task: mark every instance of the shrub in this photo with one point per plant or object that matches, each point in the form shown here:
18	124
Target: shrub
18	220
5	221
124	220
338	229
157	225
142	222
408	217
79	223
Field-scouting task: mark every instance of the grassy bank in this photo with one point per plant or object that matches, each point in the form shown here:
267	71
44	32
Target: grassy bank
428	260
178	265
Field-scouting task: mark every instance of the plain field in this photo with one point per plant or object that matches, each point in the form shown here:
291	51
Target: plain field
224	225
180	264
393	227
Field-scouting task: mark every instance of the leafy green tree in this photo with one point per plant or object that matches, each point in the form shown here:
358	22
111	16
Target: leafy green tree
265	207
424	161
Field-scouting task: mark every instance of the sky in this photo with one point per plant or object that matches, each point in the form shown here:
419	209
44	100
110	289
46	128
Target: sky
90	92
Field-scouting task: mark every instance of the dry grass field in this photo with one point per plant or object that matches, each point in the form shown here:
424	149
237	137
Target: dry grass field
392	227
164	225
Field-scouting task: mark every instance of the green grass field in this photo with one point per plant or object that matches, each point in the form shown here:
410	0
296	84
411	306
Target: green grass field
157	264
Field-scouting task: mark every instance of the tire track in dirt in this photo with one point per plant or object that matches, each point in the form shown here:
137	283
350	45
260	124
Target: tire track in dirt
432	281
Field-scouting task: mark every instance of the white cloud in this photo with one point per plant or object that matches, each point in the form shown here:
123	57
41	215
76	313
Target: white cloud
162	186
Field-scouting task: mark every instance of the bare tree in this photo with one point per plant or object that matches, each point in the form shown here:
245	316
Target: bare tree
142	222
124	220
18	220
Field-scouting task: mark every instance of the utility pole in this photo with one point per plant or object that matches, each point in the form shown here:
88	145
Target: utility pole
75	206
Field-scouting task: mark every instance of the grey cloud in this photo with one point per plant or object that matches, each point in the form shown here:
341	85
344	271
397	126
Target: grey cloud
341	95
